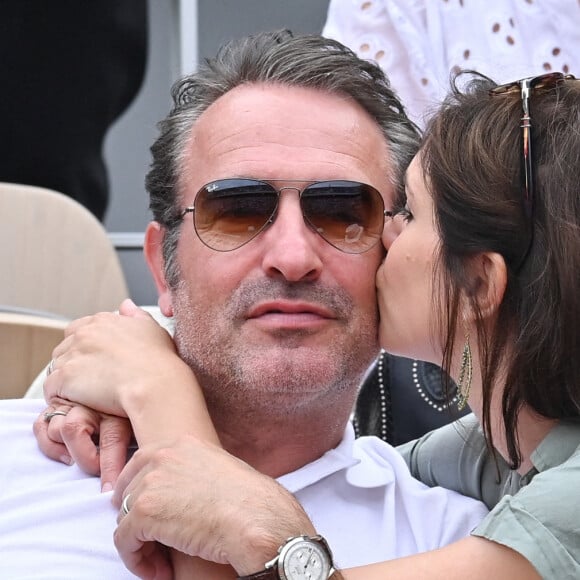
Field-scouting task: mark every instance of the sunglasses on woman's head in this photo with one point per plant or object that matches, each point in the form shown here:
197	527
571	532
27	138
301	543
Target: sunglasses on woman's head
524	88
228	213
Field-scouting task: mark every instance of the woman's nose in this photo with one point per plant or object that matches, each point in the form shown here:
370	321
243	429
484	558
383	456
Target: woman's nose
393	227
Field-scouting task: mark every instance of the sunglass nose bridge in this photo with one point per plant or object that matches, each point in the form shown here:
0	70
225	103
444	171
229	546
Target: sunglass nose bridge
281	202
298	190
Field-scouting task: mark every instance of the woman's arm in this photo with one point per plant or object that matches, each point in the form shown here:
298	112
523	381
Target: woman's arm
456	457
154	384
126	365
471	558
251	515
532	534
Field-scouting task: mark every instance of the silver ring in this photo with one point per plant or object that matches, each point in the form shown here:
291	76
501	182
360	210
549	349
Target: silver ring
125	505
48	416
50	367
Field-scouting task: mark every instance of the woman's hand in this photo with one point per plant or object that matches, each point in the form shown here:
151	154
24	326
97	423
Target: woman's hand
112	366
106	359
197	498
127	365
97	442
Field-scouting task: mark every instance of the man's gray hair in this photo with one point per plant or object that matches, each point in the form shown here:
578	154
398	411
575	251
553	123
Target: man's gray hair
277	58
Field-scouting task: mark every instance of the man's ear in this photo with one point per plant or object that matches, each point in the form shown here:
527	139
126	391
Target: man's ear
488	274
153	250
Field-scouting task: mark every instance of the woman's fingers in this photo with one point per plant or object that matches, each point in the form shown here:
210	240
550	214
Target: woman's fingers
114	440
97	442
52	447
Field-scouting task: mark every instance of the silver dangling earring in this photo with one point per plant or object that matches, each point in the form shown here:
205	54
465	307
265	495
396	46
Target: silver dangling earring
465	375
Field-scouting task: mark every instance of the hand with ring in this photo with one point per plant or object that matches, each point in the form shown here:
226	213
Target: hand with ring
153	513
106	350
97	442
116	366
127	365
48	415
50	368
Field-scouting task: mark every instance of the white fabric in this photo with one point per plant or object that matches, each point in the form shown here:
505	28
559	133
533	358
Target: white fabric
419	42
55	523
363	500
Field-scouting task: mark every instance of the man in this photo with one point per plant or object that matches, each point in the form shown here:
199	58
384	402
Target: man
276	151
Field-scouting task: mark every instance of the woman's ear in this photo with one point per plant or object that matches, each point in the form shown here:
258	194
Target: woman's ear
153	250
488	275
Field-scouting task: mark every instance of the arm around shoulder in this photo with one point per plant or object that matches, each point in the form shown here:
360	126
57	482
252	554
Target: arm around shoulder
471	558
456	457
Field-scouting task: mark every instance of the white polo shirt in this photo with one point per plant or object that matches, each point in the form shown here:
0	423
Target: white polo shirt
56	524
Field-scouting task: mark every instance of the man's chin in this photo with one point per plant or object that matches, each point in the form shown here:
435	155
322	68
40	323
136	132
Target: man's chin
295	366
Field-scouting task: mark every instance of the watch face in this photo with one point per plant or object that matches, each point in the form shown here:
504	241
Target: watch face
304	559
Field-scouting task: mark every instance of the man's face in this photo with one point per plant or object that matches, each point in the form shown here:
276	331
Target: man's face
286	320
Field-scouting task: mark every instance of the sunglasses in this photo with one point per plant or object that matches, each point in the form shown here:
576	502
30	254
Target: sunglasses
228	213
524	88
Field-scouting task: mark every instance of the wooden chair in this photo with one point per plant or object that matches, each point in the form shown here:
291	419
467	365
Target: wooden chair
26	343
55	256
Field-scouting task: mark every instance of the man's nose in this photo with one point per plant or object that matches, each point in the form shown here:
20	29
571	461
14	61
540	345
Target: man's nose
292	248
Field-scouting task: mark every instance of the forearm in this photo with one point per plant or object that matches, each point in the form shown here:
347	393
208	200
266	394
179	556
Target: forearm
469	559
168	409
186	567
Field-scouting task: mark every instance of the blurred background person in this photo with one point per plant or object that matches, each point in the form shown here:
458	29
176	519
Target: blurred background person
69	70
418	43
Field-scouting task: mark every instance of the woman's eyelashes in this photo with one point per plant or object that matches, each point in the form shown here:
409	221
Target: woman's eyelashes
405	213
402	210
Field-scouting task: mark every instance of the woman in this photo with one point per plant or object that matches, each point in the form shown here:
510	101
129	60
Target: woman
483	276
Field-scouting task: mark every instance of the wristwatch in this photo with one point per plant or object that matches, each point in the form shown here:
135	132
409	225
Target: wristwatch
299	558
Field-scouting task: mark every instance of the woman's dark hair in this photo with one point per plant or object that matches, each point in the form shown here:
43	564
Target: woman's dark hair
472	158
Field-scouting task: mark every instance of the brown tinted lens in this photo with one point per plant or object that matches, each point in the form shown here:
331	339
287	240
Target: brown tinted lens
230	212
347	214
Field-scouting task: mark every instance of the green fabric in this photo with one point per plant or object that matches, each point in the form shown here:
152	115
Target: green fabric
538	515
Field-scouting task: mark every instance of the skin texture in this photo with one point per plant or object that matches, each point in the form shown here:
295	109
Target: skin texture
264	515
289	317
405	278
293	319
405	298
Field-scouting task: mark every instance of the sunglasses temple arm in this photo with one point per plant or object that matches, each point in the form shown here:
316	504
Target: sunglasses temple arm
527	148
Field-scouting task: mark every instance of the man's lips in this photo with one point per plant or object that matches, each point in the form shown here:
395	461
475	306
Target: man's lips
292	309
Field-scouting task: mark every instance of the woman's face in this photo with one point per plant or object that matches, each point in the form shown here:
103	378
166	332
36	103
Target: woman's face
405	279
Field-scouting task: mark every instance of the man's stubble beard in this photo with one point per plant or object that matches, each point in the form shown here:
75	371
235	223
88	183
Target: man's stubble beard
274	379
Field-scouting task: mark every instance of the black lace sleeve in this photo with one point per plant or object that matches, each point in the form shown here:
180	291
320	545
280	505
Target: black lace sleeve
401	399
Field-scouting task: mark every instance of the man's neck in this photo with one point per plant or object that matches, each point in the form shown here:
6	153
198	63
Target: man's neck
276	445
